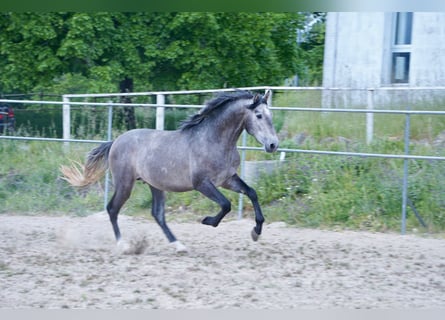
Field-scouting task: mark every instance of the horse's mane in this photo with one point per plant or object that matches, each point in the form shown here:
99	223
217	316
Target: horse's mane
216	104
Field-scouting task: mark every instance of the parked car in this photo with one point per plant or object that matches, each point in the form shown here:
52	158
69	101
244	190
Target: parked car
7	119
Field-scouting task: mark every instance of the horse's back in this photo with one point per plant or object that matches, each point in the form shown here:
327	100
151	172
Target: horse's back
159	158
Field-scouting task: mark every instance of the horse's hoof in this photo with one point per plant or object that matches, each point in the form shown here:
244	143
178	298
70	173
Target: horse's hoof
209	221
254	235
123	247
137	246
180	248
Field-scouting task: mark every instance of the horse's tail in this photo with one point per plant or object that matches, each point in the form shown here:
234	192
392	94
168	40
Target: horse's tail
95	166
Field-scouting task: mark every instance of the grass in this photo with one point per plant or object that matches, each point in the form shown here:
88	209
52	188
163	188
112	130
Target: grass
356	193
307	190
30	182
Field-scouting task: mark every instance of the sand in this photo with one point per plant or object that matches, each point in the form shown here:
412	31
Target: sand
73	262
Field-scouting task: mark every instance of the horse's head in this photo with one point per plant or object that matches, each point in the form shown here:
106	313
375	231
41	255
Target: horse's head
259	123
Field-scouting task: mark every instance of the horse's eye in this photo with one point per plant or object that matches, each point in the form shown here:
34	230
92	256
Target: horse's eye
259	116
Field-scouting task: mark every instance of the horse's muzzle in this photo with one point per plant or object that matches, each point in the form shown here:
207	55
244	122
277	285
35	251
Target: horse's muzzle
271	146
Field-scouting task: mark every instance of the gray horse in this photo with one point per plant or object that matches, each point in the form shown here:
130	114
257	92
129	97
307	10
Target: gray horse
201	155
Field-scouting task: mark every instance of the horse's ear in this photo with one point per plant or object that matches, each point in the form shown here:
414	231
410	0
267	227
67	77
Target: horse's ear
267	95
255	103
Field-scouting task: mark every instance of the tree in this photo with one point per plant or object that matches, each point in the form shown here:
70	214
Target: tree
311	49
101	52
226	50
27	50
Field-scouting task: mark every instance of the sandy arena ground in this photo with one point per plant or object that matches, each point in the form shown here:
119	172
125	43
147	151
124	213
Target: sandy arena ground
63	262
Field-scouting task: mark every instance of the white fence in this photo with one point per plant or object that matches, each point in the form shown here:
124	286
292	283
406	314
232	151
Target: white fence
160	106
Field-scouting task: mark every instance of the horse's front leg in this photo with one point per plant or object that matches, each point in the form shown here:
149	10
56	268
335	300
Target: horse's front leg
207	188
236	184
158	212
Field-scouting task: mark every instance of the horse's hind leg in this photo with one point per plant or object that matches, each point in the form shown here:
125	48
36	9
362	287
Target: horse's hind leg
158	212
236	184
121	194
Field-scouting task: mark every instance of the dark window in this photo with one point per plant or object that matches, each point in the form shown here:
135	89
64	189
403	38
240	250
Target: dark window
400	67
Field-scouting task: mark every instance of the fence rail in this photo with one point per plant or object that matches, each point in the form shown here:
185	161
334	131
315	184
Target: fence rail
160	106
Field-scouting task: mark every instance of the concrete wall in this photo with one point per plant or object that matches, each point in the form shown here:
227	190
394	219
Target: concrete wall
353	49
358	55
428	49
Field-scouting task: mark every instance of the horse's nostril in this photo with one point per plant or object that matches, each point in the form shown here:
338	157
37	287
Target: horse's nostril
272	147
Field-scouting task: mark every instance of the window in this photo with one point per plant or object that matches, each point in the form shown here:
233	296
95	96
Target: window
403	28
401	46
400	67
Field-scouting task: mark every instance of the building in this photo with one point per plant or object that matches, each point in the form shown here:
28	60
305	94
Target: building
396	50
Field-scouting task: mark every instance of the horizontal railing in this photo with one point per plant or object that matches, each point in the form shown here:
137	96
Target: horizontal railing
160	105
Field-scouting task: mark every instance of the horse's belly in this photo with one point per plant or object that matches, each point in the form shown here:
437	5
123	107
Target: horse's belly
168	178
222	177
162	162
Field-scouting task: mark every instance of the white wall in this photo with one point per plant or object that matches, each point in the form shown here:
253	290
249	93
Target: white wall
357	55
428	55
353	49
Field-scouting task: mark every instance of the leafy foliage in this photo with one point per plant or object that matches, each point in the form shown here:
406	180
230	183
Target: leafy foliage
47	51
311	51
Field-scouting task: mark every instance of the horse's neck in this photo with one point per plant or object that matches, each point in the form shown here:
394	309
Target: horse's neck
225	128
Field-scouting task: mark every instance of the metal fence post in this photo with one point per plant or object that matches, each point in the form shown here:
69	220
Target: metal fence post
109	137
405	172
242	172
269	103
66	120
160	111
370	117
243	159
